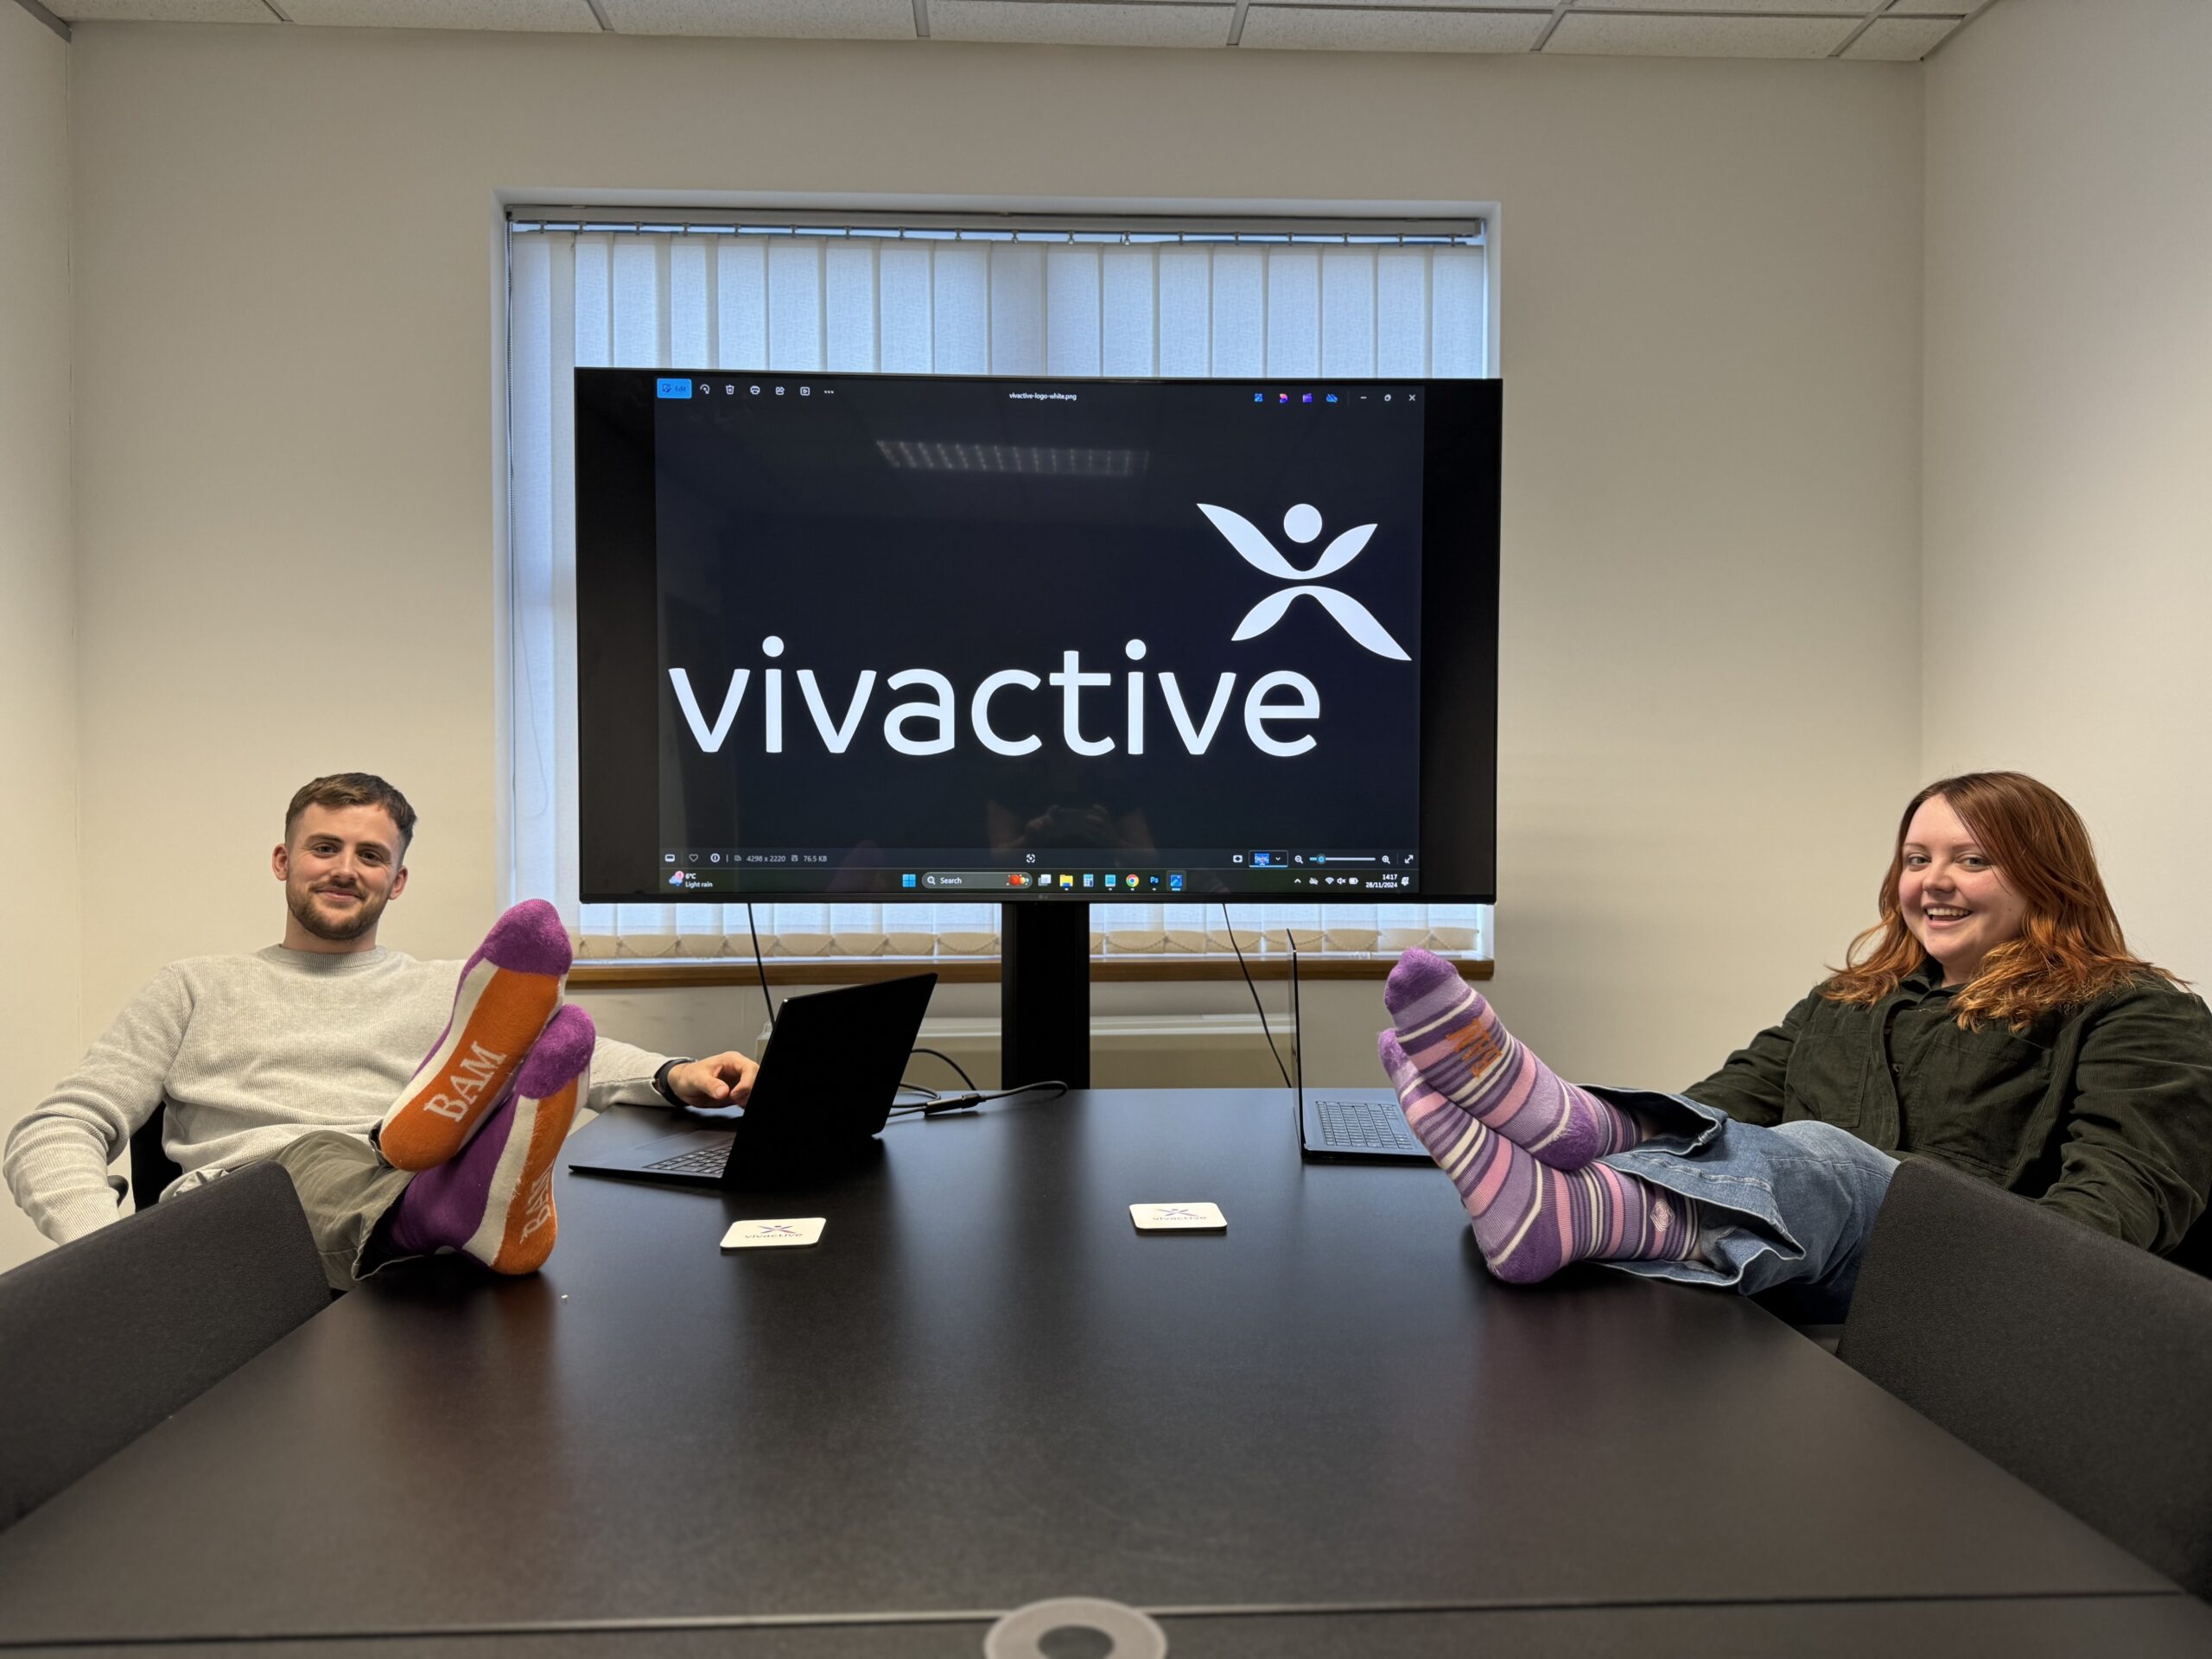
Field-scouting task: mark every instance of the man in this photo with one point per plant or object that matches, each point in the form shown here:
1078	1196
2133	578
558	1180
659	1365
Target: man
306	1054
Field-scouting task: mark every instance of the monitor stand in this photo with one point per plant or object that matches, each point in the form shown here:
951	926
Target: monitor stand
1045	994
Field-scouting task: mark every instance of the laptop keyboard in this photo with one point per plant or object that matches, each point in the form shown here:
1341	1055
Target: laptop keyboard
703	1160
1364	1125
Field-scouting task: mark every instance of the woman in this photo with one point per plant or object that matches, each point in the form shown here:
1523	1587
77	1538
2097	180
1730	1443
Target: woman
1993	1019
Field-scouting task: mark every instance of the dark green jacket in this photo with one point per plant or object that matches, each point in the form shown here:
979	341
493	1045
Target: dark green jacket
2104	1113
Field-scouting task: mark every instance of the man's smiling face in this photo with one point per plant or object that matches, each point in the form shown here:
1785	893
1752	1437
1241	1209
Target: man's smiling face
341	866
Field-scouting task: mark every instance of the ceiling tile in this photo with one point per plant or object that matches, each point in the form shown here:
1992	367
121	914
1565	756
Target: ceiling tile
1078	23
1365	29
838	20
571	14
1934	8
1419	5
1903	39
1698	37
1851	8
162	11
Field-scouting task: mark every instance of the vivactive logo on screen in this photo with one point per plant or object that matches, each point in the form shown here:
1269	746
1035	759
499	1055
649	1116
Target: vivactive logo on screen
1302	524
938	715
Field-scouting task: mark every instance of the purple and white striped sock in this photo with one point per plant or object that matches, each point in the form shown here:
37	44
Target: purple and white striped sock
1456	1039
1531	1220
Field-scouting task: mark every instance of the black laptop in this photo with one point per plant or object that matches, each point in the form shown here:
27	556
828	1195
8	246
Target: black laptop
823	1091
1351	1126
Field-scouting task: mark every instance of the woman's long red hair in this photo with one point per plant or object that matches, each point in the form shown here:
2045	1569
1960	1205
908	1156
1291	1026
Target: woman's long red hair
2071	950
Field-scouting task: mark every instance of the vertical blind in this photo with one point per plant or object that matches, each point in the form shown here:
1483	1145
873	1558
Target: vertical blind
1349	303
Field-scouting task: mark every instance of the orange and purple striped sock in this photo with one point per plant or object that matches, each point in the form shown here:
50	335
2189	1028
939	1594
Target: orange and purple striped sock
495	1202
1531	1220
1458	1042
508	990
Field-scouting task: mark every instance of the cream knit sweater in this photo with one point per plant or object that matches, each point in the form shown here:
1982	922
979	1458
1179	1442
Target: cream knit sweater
250	1053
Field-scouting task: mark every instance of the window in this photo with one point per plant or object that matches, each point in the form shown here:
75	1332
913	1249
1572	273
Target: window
916	296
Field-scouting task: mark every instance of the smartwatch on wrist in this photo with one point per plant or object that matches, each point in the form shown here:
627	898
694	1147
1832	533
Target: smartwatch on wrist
660	1081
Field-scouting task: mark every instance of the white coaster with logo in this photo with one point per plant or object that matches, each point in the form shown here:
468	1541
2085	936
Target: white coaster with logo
773	1235
1178	1218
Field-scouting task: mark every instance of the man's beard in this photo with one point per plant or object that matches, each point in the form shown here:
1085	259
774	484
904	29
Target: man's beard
338	932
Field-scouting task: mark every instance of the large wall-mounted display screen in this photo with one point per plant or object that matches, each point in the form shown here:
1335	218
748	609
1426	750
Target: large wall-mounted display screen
937	638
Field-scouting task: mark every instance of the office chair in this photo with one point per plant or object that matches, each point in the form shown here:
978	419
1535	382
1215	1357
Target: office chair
2195	1250
2079	1364
103	1339
151	1167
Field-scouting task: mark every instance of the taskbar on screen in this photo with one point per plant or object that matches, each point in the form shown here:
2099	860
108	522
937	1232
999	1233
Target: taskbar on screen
955	875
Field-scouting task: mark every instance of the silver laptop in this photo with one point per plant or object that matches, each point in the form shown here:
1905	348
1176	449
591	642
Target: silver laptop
1351	1126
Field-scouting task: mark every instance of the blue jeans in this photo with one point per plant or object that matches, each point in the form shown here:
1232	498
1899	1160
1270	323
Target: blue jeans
1789	1206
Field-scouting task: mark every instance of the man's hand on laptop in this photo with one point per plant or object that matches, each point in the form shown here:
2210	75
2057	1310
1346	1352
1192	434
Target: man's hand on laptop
724	1079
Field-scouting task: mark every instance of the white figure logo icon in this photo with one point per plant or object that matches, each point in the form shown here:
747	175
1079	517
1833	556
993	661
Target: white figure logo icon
1302	524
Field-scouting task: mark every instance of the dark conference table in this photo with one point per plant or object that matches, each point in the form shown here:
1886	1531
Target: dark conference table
1325	1431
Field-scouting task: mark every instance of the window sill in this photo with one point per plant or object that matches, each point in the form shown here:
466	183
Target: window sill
663	973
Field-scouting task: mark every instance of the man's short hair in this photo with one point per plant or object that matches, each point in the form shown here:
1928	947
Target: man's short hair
353	789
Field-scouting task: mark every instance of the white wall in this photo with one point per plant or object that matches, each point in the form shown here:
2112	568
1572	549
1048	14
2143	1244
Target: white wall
2069	509
1710	340
41	970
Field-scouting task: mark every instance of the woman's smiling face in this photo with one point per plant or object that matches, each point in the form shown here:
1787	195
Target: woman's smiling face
1954	898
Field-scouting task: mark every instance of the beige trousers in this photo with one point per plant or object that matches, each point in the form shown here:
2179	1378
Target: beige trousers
345	1187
